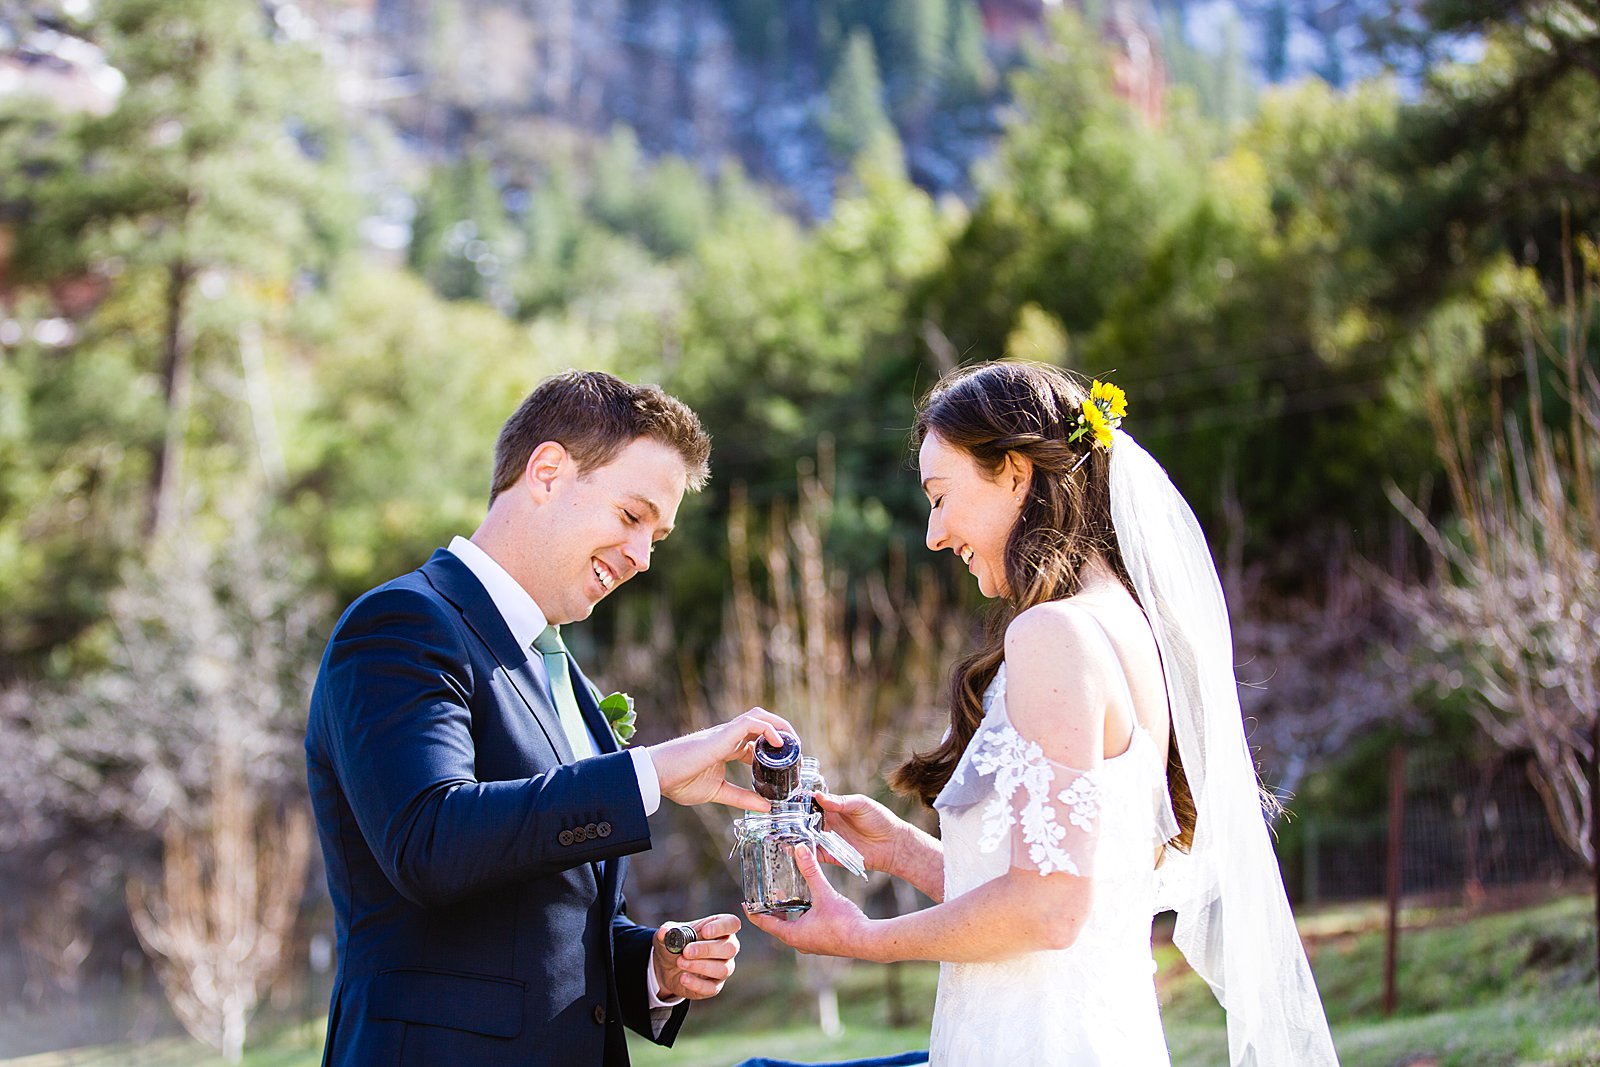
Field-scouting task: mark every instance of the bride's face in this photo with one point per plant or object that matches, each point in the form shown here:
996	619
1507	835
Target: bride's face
971	512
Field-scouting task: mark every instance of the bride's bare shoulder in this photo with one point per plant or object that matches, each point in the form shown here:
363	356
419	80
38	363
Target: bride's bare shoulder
1058	677
1060	623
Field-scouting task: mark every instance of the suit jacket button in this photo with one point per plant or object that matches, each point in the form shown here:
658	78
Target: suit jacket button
565	837
600	1014
591	831
605	829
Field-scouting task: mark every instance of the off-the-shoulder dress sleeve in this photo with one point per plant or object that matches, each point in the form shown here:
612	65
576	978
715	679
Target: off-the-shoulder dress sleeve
1046	814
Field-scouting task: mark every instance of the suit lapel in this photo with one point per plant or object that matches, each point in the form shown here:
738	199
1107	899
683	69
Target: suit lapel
457	584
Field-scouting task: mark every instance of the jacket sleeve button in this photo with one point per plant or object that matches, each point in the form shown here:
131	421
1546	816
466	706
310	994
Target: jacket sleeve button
600	1014
565	837
605	829
591	831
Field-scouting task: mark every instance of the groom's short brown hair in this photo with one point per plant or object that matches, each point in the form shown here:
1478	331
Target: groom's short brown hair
594	416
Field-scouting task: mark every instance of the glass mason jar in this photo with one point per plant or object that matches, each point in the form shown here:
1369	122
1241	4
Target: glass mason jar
765	844
811	781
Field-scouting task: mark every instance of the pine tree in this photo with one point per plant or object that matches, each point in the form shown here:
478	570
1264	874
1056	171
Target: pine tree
916	37
1275	46
614	195
461	238
856	115
969	76
206	169
1234	97
757	27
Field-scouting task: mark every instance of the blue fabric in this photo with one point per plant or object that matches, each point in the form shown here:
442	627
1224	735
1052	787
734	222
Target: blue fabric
900	1059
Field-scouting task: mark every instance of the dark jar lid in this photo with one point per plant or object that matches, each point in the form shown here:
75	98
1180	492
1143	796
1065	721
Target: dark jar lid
775	769
780	757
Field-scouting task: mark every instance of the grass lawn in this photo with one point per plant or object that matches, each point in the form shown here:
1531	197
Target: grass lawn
1475	990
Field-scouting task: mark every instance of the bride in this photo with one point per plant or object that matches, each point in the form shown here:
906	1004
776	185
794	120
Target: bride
1095	769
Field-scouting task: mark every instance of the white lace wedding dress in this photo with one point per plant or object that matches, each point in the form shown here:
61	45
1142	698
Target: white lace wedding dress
1093	1003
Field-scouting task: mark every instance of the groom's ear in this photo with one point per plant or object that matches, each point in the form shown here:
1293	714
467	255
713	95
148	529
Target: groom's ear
547	465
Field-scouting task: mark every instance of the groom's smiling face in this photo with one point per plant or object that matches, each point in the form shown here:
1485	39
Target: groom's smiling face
595	529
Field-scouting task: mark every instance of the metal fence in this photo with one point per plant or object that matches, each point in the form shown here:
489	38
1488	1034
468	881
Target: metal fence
1466	827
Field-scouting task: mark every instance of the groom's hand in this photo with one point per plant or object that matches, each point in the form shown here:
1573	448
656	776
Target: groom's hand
705	964
692	768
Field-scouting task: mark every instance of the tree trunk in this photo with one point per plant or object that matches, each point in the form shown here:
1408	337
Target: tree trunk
1473	890
217	924
1394	887
262	415
233	1028
828	1009
166	459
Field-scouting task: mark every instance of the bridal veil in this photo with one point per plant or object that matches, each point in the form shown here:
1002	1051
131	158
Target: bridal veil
1234	924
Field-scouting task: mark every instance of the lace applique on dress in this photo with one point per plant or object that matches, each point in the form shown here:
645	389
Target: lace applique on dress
1048	813
1056	808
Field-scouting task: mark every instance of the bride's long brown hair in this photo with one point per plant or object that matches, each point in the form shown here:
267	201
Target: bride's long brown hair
989	411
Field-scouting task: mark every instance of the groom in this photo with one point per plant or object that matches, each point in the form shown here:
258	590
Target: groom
472	802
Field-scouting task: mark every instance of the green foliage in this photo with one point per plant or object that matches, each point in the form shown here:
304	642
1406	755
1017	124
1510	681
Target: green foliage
969	76
856	116
1079	190
195	205
675	208
1237	294
73	431
917	35
586	232
798	313
1270	280
1494	152
392	403
461	238
209	158
1248	337
614	196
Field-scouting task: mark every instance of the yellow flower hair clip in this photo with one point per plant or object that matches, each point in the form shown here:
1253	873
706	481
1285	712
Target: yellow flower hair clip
1101	414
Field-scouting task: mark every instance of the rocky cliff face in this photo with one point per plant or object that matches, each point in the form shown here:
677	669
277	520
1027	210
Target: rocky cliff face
706	79
712	80
550	73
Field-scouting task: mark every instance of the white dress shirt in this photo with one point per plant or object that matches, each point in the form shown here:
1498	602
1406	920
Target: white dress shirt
526	622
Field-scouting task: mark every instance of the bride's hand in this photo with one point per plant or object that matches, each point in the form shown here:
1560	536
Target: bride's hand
833	927
874	830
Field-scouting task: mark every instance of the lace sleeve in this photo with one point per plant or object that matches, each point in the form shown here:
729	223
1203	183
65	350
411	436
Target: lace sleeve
1046	813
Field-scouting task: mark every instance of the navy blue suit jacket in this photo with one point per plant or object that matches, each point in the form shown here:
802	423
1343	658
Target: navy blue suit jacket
476	869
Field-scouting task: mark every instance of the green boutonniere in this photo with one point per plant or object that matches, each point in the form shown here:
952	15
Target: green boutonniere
618	710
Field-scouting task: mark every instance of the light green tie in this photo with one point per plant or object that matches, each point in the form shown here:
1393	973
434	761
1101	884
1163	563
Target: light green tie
548	644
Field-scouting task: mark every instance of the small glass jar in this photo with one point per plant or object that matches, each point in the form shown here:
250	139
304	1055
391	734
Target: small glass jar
765	844
811	781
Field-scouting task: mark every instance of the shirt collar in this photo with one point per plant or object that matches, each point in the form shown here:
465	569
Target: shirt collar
523	617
